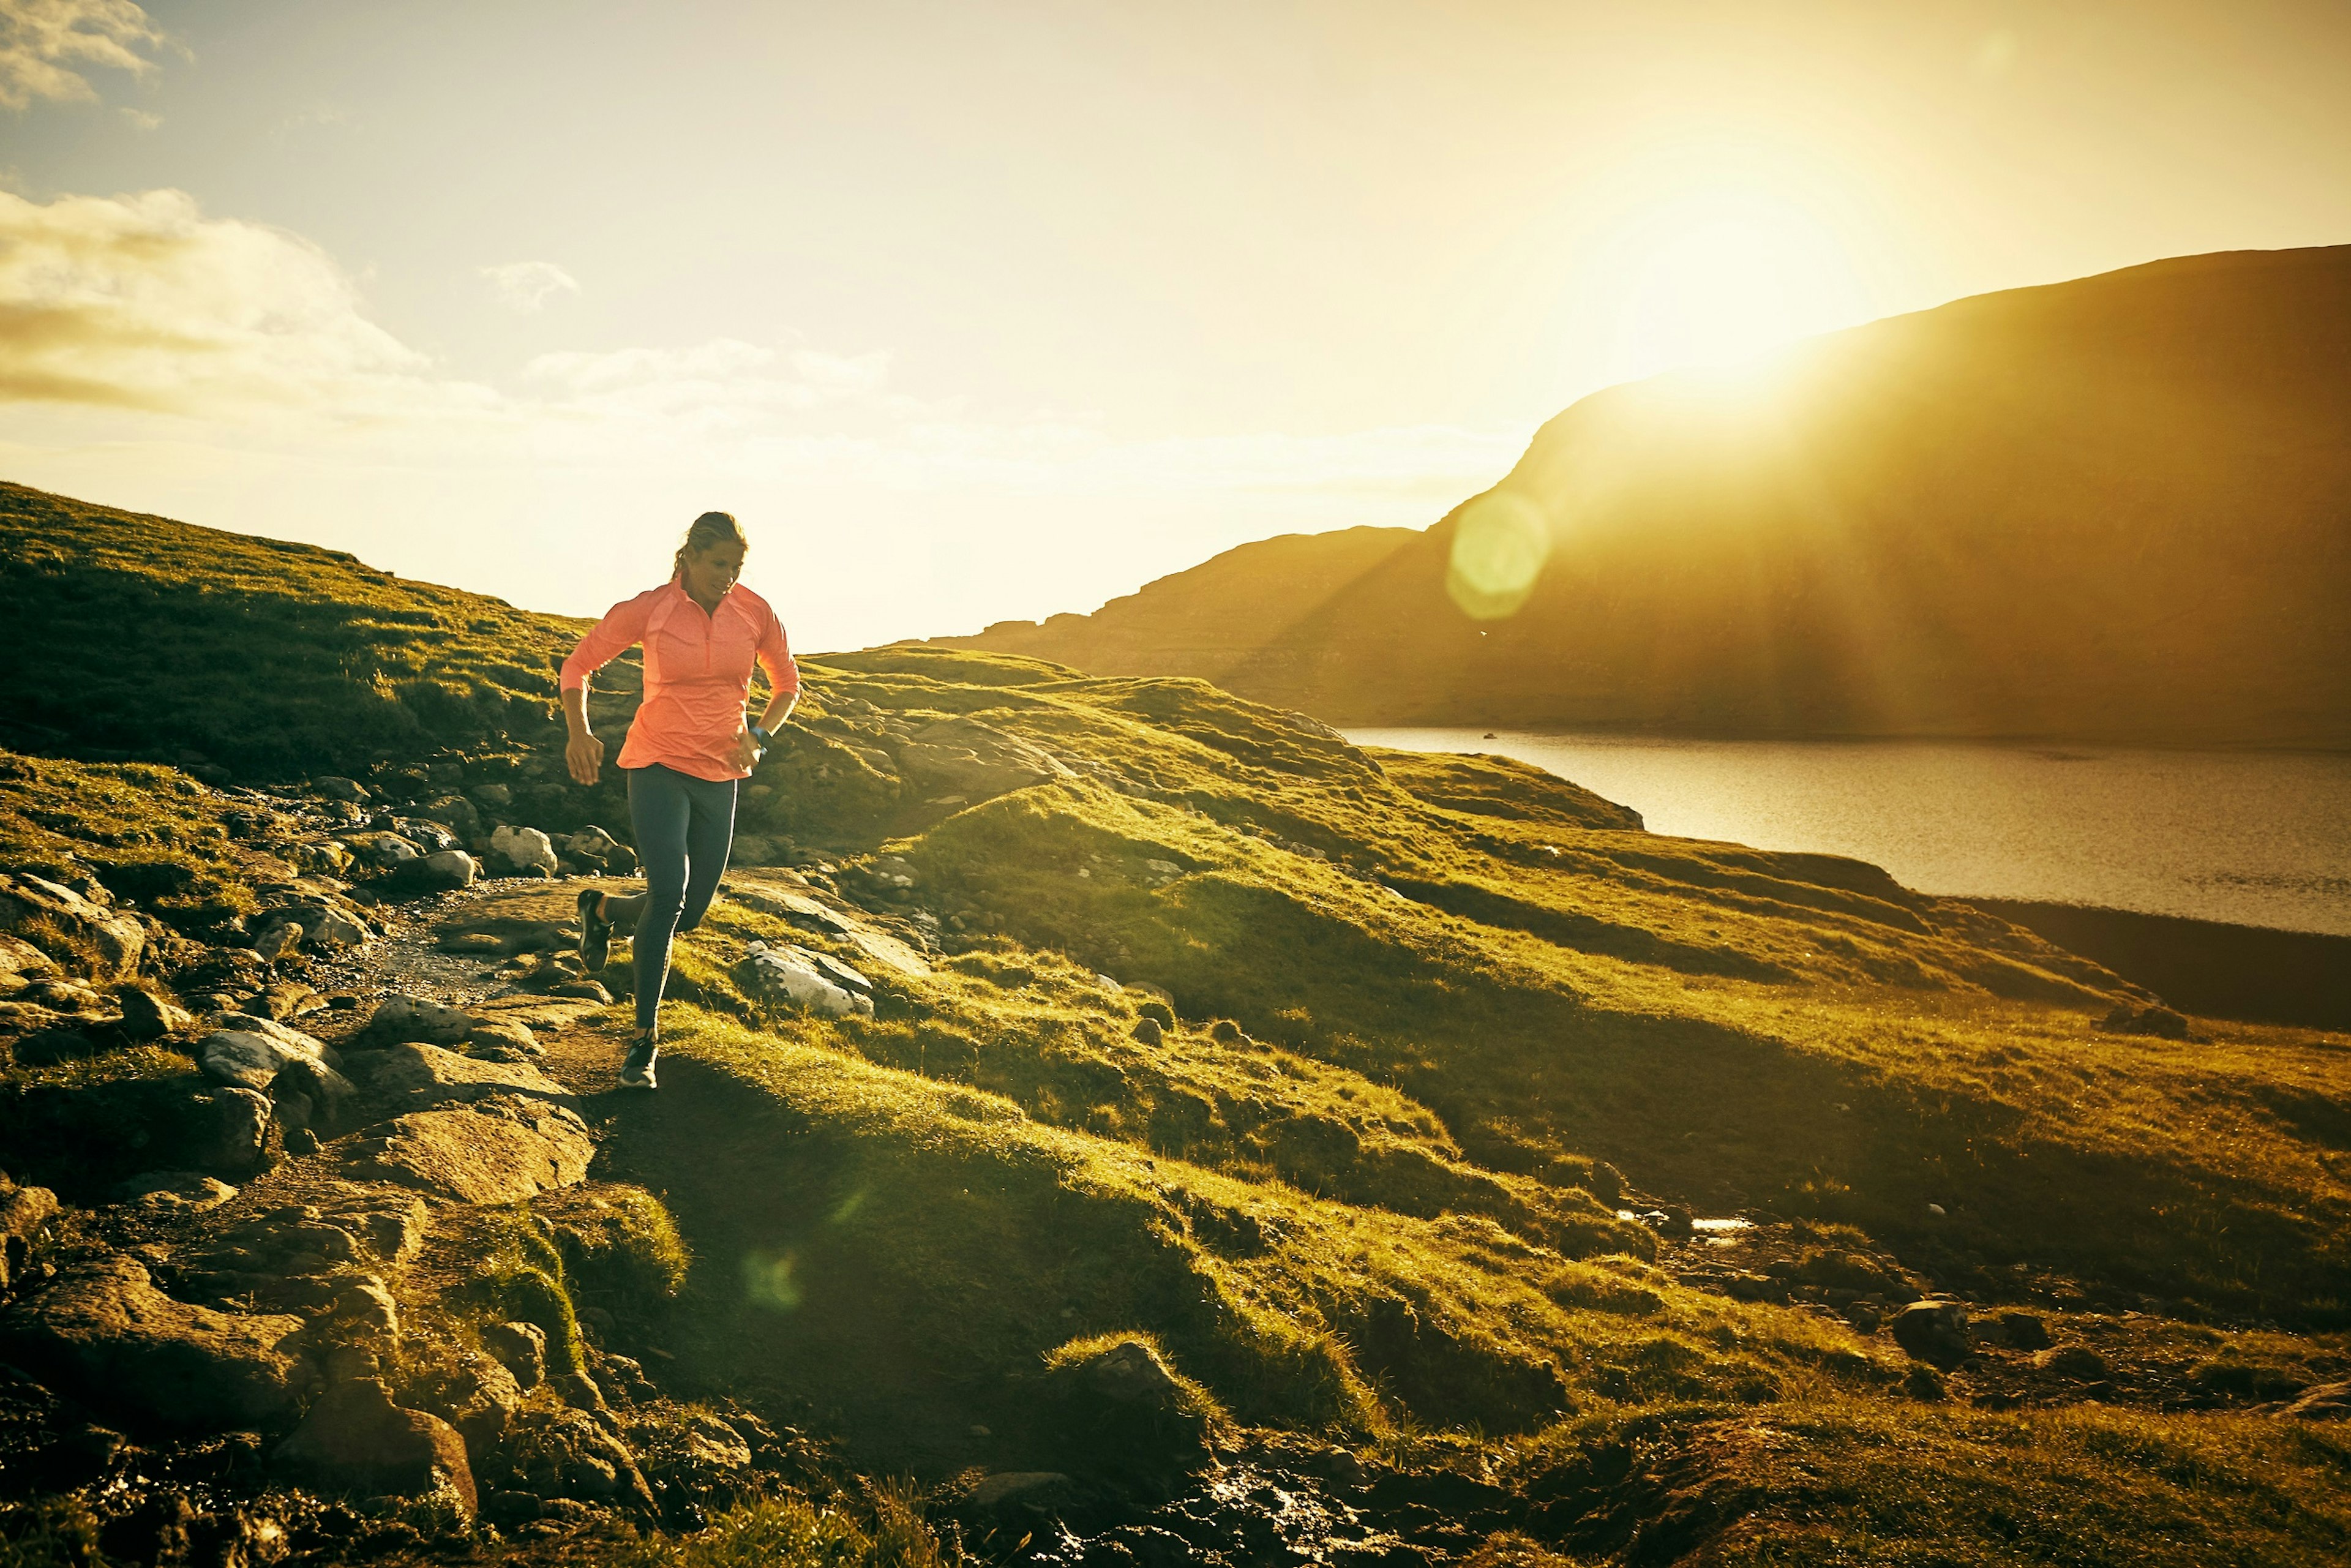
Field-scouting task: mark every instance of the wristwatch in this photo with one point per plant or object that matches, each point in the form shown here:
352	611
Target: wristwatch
763	738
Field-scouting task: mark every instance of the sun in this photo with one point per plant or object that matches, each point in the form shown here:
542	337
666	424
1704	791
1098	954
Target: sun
1721	277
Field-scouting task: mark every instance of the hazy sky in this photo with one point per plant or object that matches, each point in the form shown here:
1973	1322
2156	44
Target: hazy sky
976	311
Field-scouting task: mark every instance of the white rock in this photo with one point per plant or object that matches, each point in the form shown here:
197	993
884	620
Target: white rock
453	868
523	848
782	975
239	1059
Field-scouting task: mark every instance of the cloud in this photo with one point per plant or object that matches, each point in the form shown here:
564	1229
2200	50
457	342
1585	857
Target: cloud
139	119
142	302
525	286
44	43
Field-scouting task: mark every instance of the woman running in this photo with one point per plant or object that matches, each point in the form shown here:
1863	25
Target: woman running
688	749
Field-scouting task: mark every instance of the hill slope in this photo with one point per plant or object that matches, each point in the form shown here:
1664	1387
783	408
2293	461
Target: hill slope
2116	508
1366	1095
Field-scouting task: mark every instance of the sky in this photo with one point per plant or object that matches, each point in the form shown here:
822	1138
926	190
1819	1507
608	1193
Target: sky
975	311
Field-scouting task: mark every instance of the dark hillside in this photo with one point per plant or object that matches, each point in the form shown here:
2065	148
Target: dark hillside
138	637
2114	508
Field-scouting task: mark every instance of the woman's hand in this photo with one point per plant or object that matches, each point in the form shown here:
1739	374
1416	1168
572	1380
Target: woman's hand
746	749
584	754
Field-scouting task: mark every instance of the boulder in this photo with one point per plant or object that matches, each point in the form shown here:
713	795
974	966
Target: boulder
227	1129
356	1441
146	1016
415	1077
184	1191
521	1349
233	1057
384	850
478	1396
105	1331
339	788
115	941
562	1453
788	974
507	1034
328	1093
442	871
404	1018
592	843
501	1149
1934	1331
277	937
248	1051
24	1210
492	797
522	852
456	813
1148	1032
23	960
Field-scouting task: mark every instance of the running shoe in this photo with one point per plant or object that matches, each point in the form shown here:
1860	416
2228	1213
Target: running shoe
595	931
637	1067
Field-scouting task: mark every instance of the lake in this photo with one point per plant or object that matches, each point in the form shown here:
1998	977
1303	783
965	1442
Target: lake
2253	838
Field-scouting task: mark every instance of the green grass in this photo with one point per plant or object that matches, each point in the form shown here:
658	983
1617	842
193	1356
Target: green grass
1477	1010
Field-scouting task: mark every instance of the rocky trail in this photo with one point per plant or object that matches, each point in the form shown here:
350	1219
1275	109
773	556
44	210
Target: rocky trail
318	1365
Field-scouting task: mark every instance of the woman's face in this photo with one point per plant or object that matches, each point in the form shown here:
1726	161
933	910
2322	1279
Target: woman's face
709	574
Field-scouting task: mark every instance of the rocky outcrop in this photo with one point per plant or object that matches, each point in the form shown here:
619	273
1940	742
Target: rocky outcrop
113	941
24	1210
356	1441
103	1330
965	756
419	1077
400	1018
501	1149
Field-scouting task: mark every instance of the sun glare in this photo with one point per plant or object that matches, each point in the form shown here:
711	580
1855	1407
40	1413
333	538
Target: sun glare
1721	277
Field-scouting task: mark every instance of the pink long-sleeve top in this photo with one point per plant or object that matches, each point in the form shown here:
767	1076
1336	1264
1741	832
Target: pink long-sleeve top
698	674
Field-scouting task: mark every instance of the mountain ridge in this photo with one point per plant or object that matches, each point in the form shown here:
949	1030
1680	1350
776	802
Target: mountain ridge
2108	510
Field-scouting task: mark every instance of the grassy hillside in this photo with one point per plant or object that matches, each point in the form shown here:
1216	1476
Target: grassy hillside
2109	508
1448	1053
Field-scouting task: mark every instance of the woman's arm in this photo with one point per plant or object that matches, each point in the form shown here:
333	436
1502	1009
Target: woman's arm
583	753
784	677
623	625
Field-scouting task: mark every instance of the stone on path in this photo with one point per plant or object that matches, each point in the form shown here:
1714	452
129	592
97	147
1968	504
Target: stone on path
400	1018
185	1191
105	1331
501	1149
415	1077
522	852
356	1441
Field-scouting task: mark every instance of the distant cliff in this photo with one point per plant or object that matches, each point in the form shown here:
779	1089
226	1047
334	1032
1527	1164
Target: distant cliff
2116	508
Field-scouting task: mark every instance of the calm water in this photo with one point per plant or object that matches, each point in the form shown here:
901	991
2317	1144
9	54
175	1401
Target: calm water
2261	839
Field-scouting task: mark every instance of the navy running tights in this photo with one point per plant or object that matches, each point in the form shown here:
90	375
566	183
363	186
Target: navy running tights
684	826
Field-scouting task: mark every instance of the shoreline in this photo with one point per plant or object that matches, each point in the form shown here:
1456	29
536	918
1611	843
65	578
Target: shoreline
2252	973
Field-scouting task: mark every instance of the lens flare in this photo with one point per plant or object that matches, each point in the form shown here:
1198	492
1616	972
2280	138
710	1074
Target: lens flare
1498	550
768	1281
